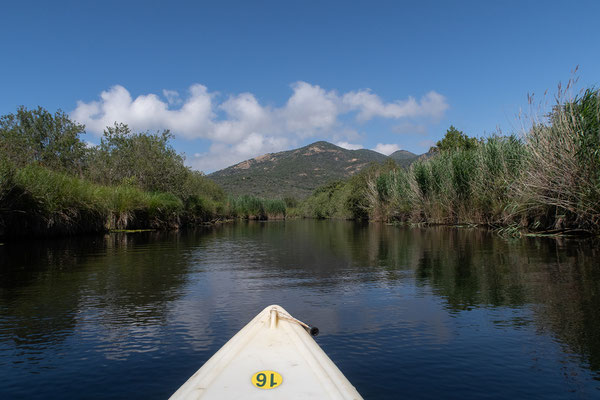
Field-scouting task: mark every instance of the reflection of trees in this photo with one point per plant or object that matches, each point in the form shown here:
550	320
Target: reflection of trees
41	304
568	295
320	250
46	286
130	279
468	268
140	274
472	268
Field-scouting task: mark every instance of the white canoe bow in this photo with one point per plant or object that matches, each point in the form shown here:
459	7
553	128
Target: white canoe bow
271	357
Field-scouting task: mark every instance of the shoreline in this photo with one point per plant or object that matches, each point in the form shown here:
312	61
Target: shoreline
57	232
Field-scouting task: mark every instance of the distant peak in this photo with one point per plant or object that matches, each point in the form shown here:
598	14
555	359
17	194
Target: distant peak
402	154
321	143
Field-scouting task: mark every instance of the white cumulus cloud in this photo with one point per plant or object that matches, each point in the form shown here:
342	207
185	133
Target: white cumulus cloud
239	126
370	105
172	97
349	146
386	149
148	112
221	155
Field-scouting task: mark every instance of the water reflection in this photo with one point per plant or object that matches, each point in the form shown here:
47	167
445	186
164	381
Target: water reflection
391	303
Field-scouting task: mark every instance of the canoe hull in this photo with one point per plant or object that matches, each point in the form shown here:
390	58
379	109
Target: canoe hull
271	357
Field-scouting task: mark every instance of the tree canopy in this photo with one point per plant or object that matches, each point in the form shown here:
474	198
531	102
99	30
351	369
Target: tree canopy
143	159
40	137
455	140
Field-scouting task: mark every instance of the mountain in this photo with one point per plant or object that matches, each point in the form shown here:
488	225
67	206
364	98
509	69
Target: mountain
297	173
403	157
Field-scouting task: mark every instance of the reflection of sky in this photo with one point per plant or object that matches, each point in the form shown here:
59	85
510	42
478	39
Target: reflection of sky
393	305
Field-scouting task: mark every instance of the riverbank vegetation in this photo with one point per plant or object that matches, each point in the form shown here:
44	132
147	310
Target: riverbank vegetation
51	183
546	180
251	207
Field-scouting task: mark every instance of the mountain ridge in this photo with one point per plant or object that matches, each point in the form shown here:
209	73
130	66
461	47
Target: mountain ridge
298	172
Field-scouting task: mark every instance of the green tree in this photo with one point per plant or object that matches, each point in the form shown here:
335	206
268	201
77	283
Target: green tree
142	159
454	140
39	137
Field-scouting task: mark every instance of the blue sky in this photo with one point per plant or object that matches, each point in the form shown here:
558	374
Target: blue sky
234	80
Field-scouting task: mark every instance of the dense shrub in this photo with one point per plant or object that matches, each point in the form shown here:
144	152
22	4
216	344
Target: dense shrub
41	138
144	159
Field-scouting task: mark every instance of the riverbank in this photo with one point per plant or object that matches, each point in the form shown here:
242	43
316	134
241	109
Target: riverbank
52	183
544	181
547	180
38	202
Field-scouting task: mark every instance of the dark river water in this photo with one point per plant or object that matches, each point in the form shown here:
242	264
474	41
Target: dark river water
432	313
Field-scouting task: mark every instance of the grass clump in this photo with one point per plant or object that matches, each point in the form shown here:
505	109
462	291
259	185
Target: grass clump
455	186
39	201
560	188
252	207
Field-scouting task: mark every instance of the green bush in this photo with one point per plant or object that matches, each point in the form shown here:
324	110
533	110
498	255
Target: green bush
142	159
41	138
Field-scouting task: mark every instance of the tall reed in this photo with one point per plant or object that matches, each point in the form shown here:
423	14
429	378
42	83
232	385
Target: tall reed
547	179
252	207
456	186
561	184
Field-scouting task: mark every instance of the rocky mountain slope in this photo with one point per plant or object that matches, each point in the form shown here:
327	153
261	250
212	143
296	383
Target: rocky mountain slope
296	173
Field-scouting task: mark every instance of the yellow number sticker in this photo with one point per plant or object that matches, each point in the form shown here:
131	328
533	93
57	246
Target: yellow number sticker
266	379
